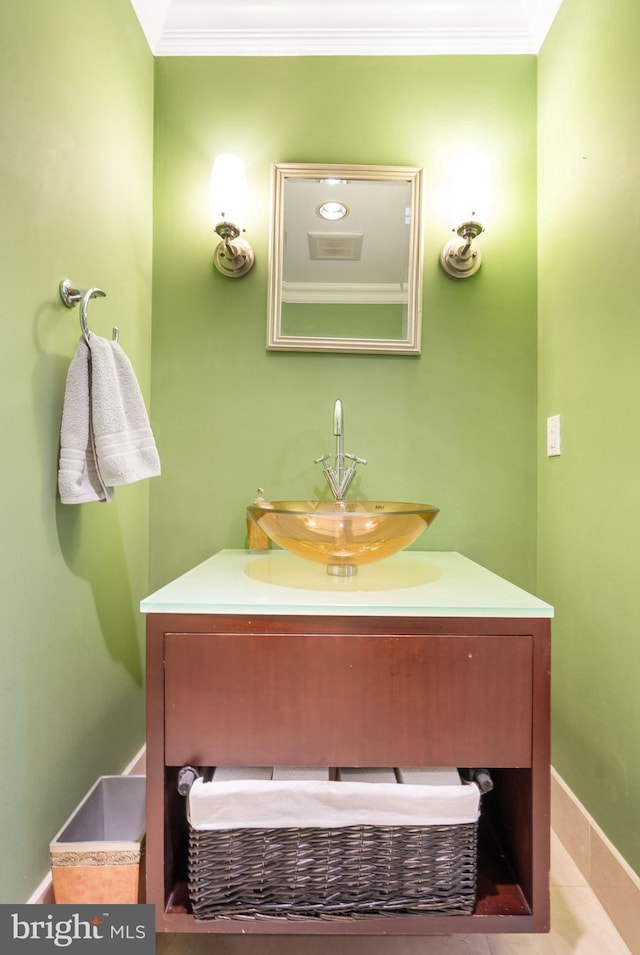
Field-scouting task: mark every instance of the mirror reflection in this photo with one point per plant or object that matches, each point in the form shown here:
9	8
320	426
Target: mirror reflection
346	258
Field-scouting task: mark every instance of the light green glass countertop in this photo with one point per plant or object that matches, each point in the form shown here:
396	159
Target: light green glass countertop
410	584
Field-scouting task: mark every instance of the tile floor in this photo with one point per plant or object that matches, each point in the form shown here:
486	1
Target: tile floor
579	926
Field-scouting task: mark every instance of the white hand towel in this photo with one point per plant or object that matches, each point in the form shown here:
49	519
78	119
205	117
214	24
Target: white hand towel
105	437
125	447
78	478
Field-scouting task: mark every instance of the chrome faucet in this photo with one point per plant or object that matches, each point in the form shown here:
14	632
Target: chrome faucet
339	476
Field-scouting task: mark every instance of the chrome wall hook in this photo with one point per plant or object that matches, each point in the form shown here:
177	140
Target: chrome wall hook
71	295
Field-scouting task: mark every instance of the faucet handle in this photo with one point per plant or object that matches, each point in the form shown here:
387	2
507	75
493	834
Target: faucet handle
354	457
321	459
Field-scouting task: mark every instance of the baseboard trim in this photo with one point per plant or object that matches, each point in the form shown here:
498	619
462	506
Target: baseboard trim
43	895
612	879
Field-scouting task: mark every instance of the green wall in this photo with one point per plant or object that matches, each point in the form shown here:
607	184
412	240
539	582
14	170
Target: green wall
589	515
76	109
454	427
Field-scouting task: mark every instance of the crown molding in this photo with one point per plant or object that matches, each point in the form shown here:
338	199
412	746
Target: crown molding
291	28
403	41
152	16
541	16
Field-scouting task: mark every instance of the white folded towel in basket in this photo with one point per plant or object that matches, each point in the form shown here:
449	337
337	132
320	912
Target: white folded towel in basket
254	804
105	437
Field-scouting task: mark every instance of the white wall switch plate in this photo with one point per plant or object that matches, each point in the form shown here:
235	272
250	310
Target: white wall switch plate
553	435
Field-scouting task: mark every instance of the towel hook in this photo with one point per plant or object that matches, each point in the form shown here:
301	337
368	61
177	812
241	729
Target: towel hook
71	295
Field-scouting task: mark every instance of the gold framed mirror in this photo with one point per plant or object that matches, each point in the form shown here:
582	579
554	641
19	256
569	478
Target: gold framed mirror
345	258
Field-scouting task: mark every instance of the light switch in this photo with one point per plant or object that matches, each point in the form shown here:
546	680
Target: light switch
553	435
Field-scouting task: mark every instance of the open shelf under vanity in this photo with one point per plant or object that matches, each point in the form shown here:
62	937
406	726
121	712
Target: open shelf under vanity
501	905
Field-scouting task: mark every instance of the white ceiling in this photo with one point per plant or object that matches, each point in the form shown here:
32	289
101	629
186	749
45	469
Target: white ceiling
334	27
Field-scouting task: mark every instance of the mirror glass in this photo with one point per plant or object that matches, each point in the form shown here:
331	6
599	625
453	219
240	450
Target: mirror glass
345	258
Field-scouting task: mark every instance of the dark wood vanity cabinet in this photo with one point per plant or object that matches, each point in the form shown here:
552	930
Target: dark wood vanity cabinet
356	691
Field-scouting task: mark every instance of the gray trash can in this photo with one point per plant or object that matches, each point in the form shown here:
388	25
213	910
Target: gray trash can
97	855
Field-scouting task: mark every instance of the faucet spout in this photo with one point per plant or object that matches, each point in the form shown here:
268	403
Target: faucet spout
337	417
339	466
339	477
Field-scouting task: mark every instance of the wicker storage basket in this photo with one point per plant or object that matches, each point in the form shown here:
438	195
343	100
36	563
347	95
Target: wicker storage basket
332	871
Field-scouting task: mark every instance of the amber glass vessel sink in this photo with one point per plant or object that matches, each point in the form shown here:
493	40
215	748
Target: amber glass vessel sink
342	534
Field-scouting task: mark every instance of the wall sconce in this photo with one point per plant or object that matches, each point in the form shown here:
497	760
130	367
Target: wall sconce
462	259
469	177
233	256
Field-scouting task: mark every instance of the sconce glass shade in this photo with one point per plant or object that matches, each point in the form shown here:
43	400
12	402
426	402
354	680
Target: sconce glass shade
470	187
228	193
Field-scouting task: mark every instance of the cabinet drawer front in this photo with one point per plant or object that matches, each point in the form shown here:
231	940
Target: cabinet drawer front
256	699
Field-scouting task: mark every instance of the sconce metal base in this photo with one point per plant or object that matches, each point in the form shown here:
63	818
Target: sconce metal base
457	265
234	259
462	259
233	256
